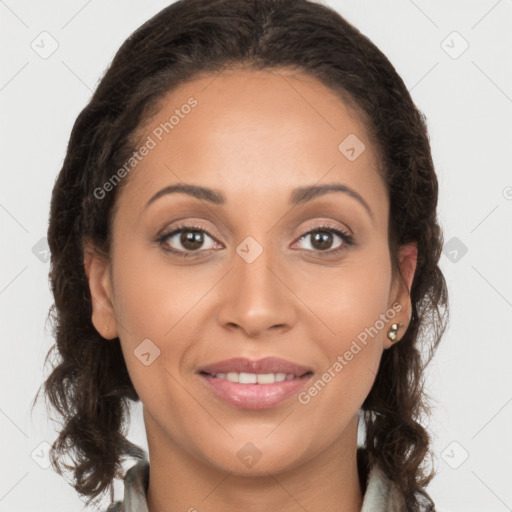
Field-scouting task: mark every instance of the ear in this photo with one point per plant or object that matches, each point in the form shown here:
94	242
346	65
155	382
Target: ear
400	289
97	268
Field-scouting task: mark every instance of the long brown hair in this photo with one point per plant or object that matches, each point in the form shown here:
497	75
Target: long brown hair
89	385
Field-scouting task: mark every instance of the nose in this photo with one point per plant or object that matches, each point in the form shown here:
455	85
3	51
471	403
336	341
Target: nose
257	297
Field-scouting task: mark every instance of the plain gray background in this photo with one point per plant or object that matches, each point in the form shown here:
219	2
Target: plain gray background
466	94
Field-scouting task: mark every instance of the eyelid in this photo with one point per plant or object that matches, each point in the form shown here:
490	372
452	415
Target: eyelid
183	224
345	234
318	225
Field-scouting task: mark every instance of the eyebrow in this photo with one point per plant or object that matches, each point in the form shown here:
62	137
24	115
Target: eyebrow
298	196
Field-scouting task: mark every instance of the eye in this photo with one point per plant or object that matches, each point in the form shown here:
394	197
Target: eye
191	238
322	238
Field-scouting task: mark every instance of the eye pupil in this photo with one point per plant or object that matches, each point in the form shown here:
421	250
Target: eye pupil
192	240
323	238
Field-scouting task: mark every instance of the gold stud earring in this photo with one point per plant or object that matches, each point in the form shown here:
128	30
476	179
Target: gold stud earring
393	332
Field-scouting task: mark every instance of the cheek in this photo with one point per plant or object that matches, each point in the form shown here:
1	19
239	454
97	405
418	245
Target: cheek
352	303
351	296
362	297
353	309
161	302
152	294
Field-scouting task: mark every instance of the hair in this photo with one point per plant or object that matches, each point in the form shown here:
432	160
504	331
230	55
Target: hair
89	385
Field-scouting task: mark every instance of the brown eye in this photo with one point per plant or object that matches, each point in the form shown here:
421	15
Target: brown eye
185	240
191	240
323	237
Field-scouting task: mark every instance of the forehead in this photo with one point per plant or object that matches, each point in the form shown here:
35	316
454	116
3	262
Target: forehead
253	131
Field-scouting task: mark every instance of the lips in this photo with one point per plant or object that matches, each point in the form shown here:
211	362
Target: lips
262	366
258	384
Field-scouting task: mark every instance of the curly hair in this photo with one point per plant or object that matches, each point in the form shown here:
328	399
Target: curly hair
89	385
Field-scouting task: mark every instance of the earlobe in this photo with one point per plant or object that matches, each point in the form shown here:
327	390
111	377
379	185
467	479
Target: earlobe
98	276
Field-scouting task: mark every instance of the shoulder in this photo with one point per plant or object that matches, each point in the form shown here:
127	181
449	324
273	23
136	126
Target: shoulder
136	483
381	495
425	501
115	507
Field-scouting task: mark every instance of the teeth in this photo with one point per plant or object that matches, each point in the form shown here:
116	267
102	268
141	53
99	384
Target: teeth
253	378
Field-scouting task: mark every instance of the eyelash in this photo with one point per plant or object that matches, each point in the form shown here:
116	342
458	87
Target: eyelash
346	238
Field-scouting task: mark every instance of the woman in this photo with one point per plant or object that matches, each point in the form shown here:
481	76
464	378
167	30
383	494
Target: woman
244	238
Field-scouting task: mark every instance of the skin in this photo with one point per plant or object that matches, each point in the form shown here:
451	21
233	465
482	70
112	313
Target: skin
272	132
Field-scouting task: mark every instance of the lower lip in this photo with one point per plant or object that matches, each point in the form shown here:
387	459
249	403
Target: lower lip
255	396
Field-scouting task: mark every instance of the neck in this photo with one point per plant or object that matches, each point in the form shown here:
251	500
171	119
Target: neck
179	481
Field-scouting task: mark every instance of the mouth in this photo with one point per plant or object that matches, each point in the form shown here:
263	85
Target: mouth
255	378
255	384
265	366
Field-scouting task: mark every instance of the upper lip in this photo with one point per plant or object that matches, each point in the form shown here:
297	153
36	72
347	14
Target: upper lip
265	365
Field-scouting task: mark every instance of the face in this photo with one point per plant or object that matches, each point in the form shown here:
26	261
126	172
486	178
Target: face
258	266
